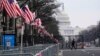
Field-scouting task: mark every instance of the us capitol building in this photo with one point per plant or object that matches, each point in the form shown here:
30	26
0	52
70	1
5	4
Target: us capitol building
65	28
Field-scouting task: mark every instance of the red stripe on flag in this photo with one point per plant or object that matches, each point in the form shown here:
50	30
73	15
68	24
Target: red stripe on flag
7	8
34	15
10	8
29	13
38	22
18	10
1	5
24	15
29	17
13	9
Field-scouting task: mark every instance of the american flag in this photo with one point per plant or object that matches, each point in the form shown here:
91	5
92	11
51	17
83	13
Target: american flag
13	9
28	13
6	6
20	12
34	15
9	6
18	9
1	6
24	16
38	22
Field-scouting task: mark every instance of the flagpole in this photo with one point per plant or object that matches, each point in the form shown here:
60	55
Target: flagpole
15	31
22	32
30	1
3	27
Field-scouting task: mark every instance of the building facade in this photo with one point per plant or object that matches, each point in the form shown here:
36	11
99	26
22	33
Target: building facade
65	28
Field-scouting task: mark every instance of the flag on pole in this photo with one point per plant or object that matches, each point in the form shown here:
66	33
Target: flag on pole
24	16
34	15
32	22
22	30
13	9
28	13
38	22
1	2
9	6
1	6
18	9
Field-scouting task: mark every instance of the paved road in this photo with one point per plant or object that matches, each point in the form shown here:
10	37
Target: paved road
82	52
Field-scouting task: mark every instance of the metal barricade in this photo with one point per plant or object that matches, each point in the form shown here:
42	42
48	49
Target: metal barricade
17	54
52	50
25	52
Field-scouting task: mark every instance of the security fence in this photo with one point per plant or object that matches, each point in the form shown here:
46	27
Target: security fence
17	54
52	50
43	50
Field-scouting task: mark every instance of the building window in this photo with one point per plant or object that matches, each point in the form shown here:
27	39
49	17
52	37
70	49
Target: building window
68	31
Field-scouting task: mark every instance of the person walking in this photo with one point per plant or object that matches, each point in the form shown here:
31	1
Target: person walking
73	44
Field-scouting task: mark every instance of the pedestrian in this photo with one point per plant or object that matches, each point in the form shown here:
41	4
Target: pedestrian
73	44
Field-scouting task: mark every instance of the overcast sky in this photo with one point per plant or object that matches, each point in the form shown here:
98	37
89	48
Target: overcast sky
82	13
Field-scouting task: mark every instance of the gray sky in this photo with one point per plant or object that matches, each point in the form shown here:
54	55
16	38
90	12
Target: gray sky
82	13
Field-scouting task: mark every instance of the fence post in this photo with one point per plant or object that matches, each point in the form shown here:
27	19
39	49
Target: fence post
58	49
